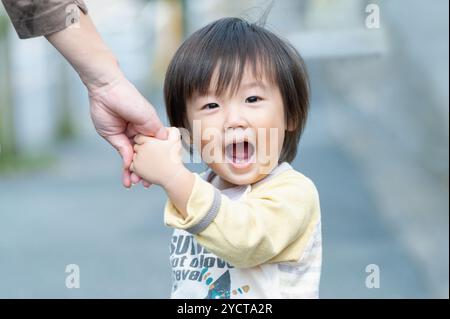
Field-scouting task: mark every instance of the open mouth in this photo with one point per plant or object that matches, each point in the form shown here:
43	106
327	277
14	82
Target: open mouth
240	153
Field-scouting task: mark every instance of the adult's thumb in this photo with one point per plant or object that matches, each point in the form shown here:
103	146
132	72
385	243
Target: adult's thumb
162	133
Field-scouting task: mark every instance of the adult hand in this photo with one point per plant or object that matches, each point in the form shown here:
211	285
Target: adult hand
118	110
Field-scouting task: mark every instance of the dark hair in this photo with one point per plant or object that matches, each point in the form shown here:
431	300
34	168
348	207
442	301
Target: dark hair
229	44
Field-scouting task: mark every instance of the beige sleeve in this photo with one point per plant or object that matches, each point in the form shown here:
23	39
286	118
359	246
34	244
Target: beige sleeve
272	224
36	18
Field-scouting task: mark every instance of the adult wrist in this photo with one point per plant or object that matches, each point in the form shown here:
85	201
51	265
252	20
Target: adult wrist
100	73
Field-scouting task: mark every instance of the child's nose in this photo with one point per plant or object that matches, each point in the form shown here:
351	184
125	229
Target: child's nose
235	118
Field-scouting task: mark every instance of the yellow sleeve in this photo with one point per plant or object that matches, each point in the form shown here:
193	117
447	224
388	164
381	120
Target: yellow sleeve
272	224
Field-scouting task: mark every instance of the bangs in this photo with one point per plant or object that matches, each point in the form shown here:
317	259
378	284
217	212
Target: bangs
219	55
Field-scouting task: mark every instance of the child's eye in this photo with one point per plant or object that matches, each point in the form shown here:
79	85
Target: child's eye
210	106
252	99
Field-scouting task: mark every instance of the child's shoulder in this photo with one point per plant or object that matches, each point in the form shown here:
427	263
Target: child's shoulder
287	178
288	187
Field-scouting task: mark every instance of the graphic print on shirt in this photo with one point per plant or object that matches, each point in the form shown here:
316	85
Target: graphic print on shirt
192	262
221	288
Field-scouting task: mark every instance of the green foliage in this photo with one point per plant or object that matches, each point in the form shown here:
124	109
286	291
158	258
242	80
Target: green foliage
4	25
13	163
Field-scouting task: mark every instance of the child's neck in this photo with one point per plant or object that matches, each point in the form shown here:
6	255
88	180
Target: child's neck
220	183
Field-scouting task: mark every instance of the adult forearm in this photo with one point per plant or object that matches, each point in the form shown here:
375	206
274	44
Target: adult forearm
85	50
118	110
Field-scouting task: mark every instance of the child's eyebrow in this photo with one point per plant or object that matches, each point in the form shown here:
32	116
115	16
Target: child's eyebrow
253	84
245	86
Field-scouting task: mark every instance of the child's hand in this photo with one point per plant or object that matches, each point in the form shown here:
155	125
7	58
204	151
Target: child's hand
158	161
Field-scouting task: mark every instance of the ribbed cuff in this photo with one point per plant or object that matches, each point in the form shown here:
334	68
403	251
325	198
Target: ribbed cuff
202	207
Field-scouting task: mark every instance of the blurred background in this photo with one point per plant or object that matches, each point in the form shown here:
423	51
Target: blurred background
376	145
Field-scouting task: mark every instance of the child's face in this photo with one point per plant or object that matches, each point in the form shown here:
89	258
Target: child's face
241	134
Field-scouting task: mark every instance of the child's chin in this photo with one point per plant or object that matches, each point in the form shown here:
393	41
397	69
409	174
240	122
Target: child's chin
243	178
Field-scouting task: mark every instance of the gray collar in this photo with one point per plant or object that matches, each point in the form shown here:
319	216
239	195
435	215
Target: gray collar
237	191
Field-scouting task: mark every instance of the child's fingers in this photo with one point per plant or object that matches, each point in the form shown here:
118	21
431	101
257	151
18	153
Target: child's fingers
136	148
141	139
174	133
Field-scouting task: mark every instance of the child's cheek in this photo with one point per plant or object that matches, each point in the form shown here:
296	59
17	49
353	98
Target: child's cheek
269	147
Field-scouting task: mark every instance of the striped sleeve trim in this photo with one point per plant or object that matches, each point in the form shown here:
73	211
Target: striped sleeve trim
210	215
